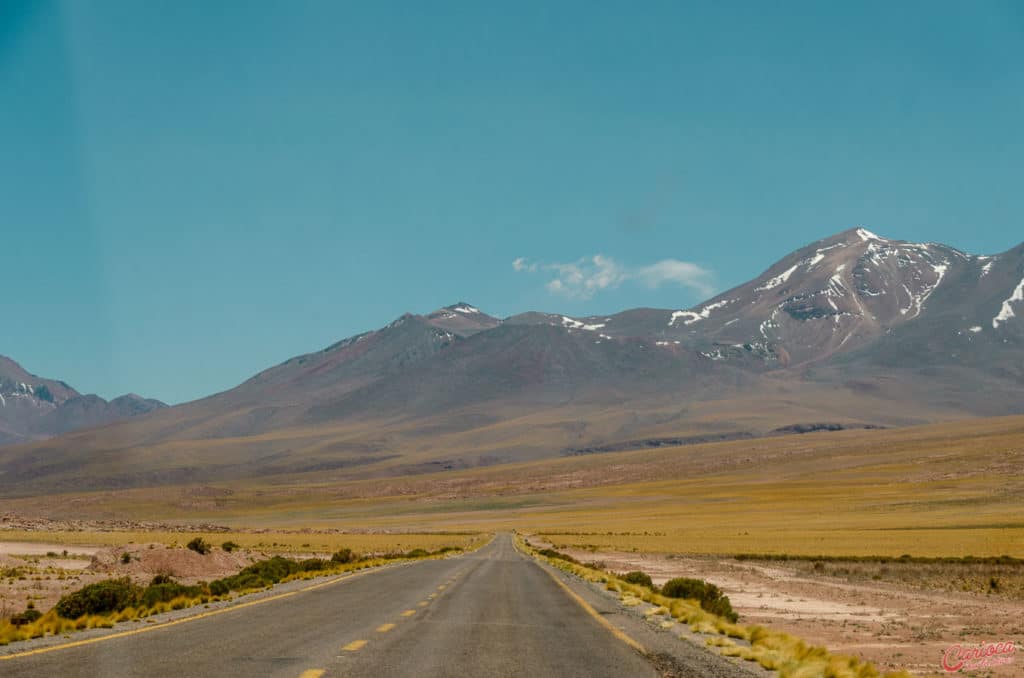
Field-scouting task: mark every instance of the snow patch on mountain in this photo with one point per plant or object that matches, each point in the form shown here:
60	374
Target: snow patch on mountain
867	235
574	324
777	280
703	314
918	300
1006	312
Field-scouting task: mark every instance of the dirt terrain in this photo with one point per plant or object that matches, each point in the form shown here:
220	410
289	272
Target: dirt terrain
894	626
42	573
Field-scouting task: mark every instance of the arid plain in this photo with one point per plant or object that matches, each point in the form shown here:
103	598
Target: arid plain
858	540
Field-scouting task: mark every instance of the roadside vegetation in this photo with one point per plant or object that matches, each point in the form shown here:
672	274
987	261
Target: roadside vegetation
106	603
705	610
273	541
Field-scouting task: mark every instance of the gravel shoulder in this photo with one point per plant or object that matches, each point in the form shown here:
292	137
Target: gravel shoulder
674	650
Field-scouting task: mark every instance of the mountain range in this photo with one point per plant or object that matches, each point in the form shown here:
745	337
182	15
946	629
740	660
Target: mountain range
853	330
34	408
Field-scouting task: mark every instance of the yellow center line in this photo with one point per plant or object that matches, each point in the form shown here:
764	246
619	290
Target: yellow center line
408	613
384	628
354	646
424	603
432	596
311	673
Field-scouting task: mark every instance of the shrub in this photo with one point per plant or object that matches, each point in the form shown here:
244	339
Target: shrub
312	565
26	617
163	589
199	545
708	595
552	553
258	575
343	556
229	546
126	557
638	577
102	597
417	553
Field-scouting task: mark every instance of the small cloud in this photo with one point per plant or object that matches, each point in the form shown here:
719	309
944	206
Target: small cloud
521	264
584	278
673	271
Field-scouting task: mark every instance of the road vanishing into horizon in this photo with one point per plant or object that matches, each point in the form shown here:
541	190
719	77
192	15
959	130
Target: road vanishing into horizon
492	612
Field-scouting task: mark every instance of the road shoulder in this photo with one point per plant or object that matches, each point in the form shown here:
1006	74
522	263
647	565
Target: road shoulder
674	651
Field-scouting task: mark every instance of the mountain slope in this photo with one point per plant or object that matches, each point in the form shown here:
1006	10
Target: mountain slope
855	329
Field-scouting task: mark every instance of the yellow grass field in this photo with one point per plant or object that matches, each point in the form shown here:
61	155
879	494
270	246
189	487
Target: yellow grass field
276	542
943	490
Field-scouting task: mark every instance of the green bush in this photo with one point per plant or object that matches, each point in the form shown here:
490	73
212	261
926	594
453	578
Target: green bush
638	577
417	553
162	593
708	595
313	565
102	597
343	556
258	575
26	617
199	545
552	553
229	546
126	557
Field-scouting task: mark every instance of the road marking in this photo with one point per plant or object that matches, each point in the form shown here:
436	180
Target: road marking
202	615
354	646
617	632
441	587
311	673
432	596
408	613
384	628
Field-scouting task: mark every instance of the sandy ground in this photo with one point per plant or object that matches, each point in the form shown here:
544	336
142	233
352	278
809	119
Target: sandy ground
894	627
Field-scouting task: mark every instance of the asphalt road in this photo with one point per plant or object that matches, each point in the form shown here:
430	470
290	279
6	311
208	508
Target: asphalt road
489	613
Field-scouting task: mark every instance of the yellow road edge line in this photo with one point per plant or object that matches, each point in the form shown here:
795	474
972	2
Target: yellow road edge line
617	632
408	613
311	673
354	646
183	620
384	628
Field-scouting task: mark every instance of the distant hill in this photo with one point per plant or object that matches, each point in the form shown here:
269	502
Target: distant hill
851	331
33	408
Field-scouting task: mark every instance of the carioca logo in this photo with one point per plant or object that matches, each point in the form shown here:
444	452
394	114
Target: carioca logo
958	657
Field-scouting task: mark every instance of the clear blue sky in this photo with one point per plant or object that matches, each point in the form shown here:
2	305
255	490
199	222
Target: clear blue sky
193	191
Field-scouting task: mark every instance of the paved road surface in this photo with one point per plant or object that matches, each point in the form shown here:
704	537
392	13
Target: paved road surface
489	613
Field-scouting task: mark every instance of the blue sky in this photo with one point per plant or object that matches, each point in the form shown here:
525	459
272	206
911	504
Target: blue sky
193	191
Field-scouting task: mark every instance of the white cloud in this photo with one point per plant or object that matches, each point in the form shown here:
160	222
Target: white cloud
677	272
586	277
521	264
